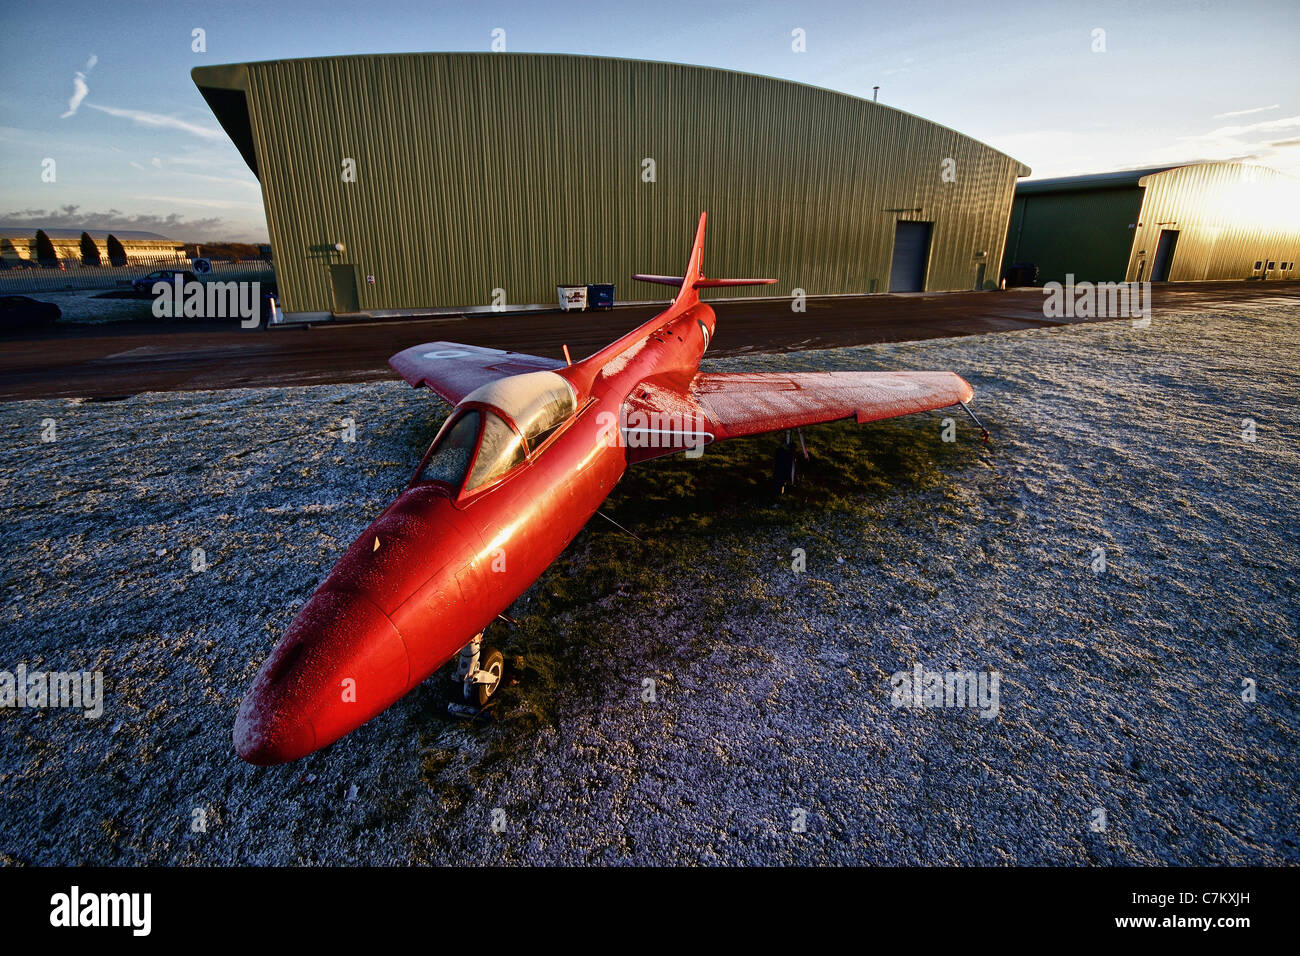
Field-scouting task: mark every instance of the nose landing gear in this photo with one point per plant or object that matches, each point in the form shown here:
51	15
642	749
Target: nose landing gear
479	673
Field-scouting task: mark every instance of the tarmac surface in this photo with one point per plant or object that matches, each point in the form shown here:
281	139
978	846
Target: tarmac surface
116	359
1148	709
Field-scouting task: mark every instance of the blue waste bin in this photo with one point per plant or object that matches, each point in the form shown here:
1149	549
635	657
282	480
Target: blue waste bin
600	296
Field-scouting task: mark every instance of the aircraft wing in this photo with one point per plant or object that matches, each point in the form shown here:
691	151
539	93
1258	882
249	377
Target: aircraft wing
749	403
661	417
452	370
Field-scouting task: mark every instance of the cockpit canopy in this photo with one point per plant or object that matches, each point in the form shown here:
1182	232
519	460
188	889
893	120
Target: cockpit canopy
537	402
486	442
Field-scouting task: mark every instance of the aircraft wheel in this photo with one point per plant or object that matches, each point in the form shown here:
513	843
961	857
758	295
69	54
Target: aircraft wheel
783	467
494	663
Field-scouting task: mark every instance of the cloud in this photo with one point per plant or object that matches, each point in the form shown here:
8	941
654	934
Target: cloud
79	87
160	121
210	229
1288	122
1068	152
244	183
71	217
170	168
79	91
1255	142
1257	109
212	203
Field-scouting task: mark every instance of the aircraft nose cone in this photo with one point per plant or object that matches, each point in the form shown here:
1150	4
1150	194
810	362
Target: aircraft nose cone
340	663
266	734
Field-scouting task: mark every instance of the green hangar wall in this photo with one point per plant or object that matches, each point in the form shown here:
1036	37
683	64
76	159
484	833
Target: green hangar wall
1178	224
477	172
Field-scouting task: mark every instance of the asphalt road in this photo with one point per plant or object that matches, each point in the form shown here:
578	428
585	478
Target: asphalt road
118	359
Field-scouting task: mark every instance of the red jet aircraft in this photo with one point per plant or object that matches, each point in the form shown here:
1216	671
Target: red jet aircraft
526	457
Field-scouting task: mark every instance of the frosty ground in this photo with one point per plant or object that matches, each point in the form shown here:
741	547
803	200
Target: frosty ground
95	306
1121	690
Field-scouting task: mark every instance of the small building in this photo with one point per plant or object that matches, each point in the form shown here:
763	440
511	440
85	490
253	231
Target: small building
1167	223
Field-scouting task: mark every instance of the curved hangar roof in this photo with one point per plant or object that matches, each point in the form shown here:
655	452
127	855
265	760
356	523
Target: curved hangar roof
475	172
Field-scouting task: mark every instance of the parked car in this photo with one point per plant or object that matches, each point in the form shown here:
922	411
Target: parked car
162	275
1021	274
20	312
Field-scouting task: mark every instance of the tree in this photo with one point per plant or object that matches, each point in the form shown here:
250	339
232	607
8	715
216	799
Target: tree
116	254
223	251
45	253
89	251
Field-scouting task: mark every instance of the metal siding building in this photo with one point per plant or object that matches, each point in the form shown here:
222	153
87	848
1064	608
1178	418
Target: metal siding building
477	172
19	244
1181	224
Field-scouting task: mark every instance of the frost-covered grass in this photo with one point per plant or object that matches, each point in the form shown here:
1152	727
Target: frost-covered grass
1119	690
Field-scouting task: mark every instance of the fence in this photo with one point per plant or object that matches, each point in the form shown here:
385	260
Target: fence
75	276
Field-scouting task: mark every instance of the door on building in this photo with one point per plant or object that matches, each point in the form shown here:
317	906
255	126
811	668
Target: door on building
343	282
911	256
1164	255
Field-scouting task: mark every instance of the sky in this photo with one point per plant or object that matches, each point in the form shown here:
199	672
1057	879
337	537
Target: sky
104	91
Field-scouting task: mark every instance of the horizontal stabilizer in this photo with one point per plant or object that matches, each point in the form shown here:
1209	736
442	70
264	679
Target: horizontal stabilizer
689	285
701	282
661	280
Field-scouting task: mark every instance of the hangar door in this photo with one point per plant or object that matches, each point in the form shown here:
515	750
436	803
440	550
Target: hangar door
343	285
911	256
1164	255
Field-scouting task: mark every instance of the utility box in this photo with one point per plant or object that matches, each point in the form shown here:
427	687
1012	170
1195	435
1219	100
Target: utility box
600	296
573	298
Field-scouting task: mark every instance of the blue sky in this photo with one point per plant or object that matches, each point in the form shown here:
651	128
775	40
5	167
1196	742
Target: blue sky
1179	80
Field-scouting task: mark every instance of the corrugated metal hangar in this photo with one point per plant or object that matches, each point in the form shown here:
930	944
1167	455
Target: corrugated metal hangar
411	182
1168	223
18	244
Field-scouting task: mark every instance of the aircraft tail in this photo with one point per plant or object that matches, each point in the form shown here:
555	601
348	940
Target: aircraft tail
694	280
583	373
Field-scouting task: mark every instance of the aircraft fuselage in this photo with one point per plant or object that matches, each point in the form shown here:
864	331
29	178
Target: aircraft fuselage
435	568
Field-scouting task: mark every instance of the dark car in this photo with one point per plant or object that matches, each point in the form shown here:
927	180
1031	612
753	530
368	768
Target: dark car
1021	274
19	312
162	275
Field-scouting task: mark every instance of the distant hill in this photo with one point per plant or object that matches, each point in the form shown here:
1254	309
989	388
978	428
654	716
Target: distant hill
226	251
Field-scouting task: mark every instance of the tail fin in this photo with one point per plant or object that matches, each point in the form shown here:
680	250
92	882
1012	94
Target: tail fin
694	278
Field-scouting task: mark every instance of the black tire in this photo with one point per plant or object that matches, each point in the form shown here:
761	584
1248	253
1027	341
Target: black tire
783	467
494	663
